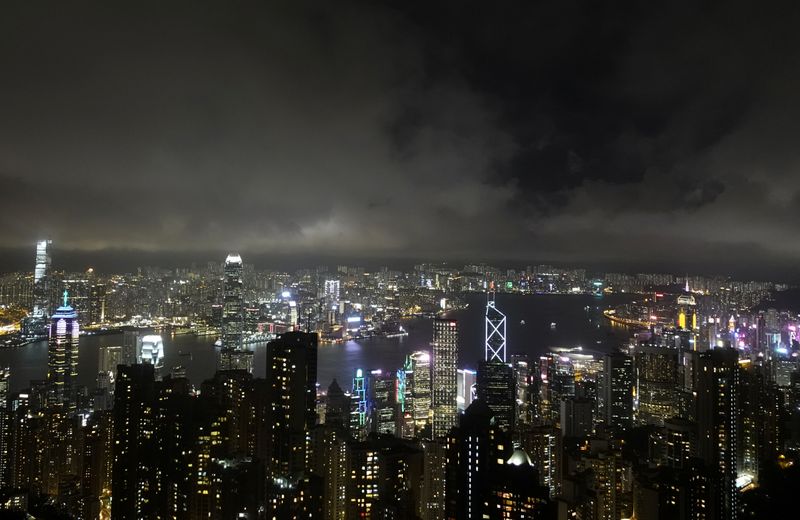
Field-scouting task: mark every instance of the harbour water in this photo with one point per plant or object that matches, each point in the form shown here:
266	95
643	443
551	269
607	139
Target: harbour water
578	321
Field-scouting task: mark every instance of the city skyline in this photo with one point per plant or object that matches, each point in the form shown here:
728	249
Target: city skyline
408	260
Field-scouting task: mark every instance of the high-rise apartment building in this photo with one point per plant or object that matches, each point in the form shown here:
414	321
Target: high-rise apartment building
717	421
292	400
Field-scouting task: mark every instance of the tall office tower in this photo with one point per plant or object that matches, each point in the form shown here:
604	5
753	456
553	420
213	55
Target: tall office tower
444	380
97	303
385	473
232	313
332	291
687	313
466	382
495	347
41	279
420	386
62	358
151	352
406	427
360	409
135	454
617	392
130	345
544	445
292	400
474	448
525	382
717	421
656	376
5	426
495	387
383	402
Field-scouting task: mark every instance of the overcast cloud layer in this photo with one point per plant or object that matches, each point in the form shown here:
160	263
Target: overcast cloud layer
532	130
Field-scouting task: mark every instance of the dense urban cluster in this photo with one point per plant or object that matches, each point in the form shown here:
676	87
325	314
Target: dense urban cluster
697	416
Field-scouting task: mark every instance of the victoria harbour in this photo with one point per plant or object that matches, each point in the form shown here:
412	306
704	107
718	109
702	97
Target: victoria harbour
578	322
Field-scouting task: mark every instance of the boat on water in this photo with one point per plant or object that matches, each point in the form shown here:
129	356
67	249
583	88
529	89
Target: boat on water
552	325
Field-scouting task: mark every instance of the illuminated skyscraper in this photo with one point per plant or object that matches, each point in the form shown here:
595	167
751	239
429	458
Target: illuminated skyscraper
5	426
496	388
495	332
41	279
495	383
656	377
444	380
687	313
420	385
383	401
151	352
232	355
62	357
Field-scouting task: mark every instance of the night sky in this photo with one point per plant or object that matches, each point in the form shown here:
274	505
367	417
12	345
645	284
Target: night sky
623	134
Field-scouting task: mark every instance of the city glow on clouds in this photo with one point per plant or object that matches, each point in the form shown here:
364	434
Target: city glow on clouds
363	130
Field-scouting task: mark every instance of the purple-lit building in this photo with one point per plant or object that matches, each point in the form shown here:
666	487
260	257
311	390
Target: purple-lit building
62	357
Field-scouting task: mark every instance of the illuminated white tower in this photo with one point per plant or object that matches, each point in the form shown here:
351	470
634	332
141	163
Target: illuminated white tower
232	303
233	356
41	279
495	332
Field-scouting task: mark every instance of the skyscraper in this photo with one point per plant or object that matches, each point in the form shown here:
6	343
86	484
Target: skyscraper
495	332
474	449
495	383
62	357
232	354
5	426
496	388
134	452
444	381
151	352
717	421
420	386
41	279
617	391
292	397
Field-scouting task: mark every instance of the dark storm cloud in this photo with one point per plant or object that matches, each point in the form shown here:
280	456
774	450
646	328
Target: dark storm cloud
564	131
